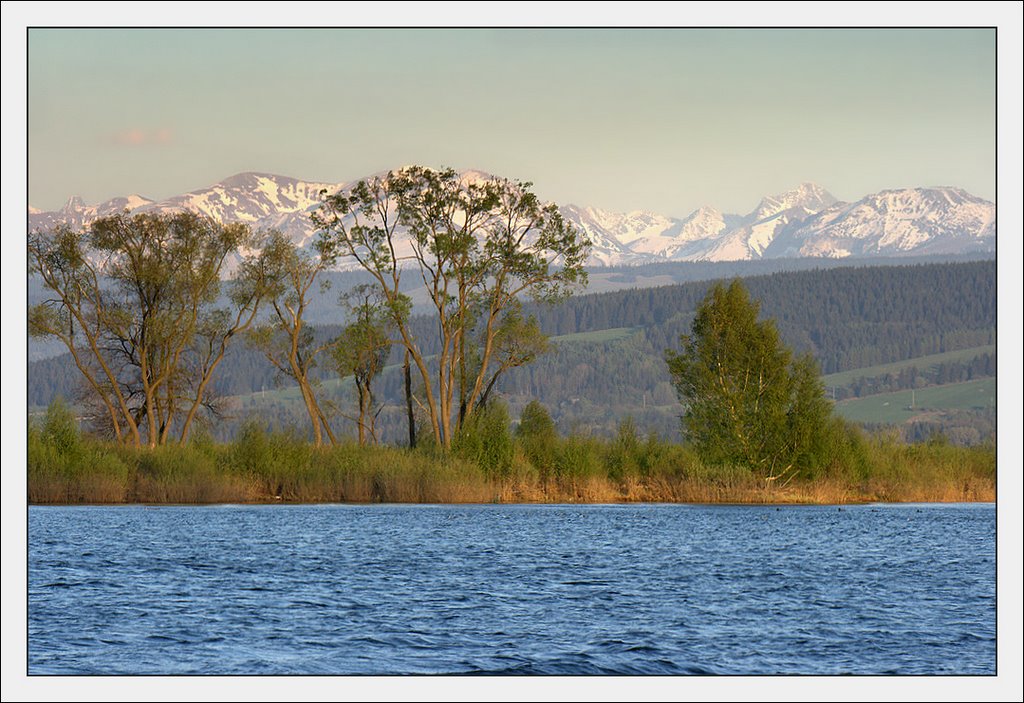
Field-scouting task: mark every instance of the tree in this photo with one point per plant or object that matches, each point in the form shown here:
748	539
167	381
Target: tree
288	274
477	246
748	402
361	352
134	299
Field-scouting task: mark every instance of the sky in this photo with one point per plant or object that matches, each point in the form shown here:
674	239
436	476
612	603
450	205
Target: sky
665	120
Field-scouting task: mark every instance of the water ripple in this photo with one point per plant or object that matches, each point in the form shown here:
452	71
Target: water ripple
512	590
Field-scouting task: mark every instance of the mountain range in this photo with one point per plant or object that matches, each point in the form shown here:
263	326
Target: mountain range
804	222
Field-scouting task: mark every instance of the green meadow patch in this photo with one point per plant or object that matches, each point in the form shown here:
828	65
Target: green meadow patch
923	363
903	406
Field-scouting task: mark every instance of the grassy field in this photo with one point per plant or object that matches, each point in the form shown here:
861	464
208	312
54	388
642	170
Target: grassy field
600	282
922	362
896	407
609	335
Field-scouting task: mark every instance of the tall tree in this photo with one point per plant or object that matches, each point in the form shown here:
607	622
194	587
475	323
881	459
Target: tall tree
478	246
747	401
75	316
289	274
131	299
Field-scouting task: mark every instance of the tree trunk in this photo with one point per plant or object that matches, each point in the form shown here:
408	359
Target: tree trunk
408	401
362	413
314	416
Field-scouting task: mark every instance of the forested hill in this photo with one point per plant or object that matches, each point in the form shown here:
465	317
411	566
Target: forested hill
848	318
608	358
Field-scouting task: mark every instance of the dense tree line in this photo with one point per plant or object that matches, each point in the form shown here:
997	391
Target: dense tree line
848	318
909	377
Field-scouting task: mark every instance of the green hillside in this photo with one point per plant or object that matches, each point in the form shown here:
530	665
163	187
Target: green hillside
896	407
922	362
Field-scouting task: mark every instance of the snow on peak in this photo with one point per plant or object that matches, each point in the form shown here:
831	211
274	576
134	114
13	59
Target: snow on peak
75	202
899	221
809	197
804	221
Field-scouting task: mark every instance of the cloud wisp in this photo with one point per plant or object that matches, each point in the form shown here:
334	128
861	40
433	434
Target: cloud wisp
136	136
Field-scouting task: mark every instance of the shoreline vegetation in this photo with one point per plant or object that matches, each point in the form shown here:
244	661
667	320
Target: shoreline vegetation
66	468
135	300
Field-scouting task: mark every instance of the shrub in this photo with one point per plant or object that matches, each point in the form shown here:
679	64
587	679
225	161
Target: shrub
60	429
538	437
485	439
624	452
62	467
578	457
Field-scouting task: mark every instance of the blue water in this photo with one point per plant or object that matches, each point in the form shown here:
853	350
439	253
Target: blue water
636	589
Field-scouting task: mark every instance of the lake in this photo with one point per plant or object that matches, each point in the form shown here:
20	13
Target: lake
512	589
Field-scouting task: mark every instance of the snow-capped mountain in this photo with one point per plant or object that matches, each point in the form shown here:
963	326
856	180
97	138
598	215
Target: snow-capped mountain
752	235
251	197
806	221
807	199
77	214
705	235
652	236
609	233
262	200
894	222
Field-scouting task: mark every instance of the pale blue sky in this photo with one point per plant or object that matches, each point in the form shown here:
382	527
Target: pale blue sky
659	119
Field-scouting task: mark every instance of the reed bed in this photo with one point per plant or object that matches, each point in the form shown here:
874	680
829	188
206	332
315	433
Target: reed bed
270	467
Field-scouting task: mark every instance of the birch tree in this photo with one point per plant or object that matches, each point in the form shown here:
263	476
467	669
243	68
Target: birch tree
748	401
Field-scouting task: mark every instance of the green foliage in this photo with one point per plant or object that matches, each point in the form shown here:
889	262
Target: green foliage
538	437
479	246
180	474
59	430
287	275
535	423
276	466
259	452
362	350
64	467
141	327
747	401
579	457
623	453
485	439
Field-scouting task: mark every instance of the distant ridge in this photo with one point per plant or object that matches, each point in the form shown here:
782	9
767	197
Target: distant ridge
807	221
